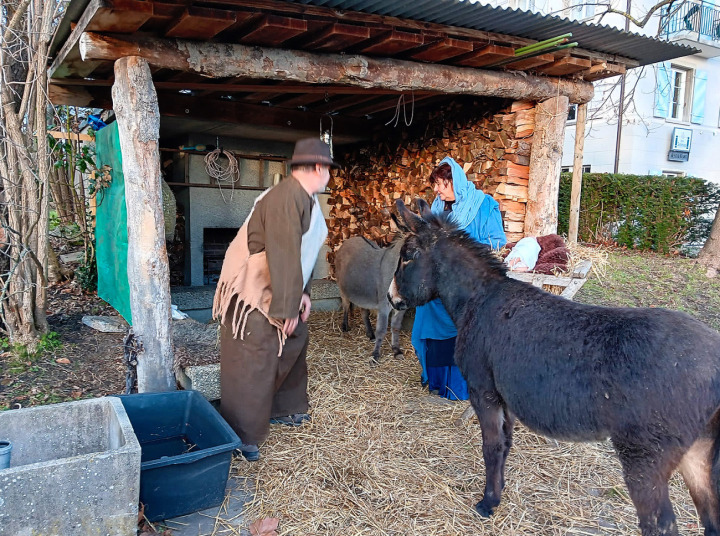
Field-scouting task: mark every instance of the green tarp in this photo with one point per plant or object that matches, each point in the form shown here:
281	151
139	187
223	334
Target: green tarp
111	225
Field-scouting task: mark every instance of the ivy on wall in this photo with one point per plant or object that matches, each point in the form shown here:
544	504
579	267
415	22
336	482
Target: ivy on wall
648	212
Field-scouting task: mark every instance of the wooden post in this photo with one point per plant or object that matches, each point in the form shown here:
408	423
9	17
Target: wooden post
233	60
138	117
577	174
541	215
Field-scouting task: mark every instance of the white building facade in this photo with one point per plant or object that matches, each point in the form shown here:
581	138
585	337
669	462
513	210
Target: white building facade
671	115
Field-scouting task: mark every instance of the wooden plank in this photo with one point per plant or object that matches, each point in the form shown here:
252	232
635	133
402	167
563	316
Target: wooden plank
443	50
570	291
565	66
228	60
582	269
543	279
530	63
273	30
201	23
392	42
121	16
68	61
339	36
602	70
70	136
485	56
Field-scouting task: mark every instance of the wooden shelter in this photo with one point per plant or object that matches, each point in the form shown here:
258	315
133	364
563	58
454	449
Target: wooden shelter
278	67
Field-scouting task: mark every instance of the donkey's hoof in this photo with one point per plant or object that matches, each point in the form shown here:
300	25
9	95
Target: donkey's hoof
484	509
398	353
370	335
345	328
375	359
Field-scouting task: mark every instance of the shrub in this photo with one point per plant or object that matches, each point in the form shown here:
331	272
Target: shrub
648	212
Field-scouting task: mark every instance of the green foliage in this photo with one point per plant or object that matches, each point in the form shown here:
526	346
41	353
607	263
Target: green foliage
646	212
23	359
87	274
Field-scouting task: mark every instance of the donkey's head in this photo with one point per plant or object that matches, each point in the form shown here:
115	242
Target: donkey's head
414	281
439	260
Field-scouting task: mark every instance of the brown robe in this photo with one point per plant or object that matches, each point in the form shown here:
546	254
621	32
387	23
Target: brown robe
263	375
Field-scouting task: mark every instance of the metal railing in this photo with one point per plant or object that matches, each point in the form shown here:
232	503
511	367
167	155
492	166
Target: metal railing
698	17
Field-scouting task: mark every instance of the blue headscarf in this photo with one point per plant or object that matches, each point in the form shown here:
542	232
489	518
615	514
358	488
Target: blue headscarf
467	198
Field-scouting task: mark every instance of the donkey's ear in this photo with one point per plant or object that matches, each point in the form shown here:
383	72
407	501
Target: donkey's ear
410	220
396	226
423	207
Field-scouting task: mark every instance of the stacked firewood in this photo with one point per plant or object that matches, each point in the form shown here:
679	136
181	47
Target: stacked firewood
494	151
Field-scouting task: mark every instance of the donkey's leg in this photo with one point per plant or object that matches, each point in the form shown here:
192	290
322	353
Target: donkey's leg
368	326
491	416
346	305
395	325
696	468
508	426
381	327
646	476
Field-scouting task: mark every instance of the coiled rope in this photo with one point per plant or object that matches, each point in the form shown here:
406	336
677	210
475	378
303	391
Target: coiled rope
226	175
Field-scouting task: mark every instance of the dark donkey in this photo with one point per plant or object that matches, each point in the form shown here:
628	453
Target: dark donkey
648	379
363	271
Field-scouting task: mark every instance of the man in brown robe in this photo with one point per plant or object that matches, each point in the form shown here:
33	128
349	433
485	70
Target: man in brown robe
263	301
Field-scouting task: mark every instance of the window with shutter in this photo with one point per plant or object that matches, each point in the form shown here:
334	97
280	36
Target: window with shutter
698	97
662	90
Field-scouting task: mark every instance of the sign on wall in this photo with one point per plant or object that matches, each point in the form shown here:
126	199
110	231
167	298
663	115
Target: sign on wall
680	145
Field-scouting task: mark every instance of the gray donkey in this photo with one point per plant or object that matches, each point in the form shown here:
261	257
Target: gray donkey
364	271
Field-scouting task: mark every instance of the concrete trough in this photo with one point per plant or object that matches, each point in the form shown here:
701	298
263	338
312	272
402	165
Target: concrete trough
74	469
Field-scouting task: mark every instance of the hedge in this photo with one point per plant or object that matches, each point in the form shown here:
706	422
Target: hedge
647	212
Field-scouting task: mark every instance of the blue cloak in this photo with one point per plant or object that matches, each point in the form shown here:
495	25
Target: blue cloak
479	216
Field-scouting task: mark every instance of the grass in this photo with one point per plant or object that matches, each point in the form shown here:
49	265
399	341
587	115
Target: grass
637	279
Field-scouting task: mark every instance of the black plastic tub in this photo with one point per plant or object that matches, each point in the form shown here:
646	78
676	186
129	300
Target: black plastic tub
186	452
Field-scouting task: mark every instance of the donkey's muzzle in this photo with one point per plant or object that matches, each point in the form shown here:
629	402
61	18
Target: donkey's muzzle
396	303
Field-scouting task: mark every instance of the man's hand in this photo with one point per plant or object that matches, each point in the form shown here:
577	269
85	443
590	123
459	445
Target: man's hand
305	305
290	325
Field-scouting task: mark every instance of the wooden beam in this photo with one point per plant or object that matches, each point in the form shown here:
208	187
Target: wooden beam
339	36
138	118
577	174
201	23
485	56
68	60
441	50
273	30
228	60
565	66
541	215
269	116
221	87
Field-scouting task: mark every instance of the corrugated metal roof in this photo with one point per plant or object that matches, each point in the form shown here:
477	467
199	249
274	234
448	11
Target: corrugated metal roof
464	14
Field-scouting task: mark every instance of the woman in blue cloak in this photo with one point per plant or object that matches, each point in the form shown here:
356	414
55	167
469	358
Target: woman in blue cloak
434	333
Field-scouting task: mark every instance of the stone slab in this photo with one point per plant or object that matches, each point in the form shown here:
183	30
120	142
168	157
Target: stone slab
106	324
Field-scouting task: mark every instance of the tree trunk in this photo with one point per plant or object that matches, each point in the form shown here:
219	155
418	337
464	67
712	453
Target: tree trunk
541	217
233	60
709	255
138	117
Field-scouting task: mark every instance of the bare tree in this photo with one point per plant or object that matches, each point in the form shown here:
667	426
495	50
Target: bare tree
25	30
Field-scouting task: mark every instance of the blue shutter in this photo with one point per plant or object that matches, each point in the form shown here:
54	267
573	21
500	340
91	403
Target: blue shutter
662	90
698	100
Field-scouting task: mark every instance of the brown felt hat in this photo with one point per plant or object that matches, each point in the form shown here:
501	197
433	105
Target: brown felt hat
312	151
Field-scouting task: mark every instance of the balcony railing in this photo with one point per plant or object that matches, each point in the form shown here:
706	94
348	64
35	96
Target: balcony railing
697	17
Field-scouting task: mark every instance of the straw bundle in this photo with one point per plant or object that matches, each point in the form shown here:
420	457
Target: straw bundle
382	457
